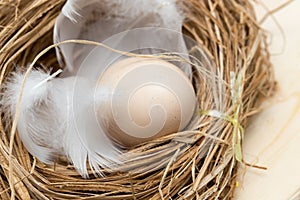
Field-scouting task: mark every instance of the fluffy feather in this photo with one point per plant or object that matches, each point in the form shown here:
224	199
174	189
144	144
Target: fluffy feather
37	128
98	20
57	118
84	139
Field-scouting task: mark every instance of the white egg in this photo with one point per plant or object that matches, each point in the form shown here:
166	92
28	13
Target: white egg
142	99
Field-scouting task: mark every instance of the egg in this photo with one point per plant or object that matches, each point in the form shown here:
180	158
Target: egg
142	99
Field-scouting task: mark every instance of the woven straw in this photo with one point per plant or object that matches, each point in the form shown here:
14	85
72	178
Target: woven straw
229	34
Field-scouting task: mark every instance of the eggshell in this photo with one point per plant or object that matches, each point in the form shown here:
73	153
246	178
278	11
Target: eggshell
143	99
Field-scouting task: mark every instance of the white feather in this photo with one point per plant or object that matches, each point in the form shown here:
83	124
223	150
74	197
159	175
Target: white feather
57	118
98	20
37	128
84	140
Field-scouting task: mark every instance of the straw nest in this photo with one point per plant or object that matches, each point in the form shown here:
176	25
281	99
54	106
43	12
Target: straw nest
202	162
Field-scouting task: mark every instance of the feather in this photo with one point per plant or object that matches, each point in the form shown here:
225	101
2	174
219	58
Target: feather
84	138
37	128
99	20
57	119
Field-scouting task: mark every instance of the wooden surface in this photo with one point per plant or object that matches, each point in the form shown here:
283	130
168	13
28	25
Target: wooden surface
273	137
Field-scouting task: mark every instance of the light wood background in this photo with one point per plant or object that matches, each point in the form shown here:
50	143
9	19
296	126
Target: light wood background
273	137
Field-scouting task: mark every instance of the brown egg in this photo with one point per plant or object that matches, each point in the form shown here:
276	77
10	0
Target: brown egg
142	99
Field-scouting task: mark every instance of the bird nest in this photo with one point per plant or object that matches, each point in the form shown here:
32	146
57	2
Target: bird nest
234	76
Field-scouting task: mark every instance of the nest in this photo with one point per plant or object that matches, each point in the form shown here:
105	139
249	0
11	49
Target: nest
204	163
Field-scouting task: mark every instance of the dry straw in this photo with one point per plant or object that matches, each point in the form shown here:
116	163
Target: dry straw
202	163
